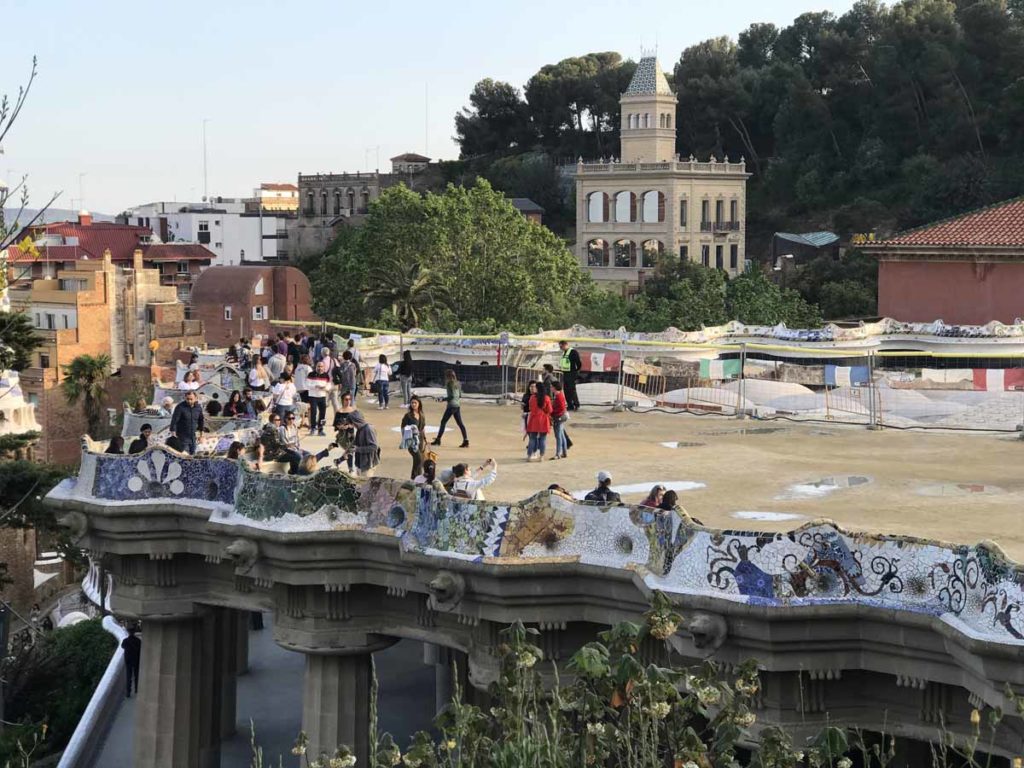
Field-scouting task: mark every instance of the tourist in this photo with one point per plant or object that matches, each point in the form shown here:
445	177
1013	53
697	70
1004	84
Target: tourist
603	493
235	450
302	370
405	377
116	445
353	352
166	407
187	422
570	365
141	406
270	445
670	501
530	394
548	377
307	464
343	437
426	477
380	381
346	376
174	443
296	348
259	376
214	408
654	497
538	424
276	364
34	615
318	384
414	434
559	416
453	398
235	408
281	345
365	449
283	396
250	408
190	382
141	443
465	485
132	647
291	441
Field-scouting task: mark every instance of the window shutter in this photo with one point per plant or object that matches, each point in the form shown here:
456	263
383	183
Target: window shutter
632	206
604	200
661	206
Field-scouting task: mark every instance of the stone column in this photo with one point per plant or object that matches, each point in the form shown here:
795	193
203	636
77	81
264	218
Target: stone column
228	673
242	652
167	716
336	703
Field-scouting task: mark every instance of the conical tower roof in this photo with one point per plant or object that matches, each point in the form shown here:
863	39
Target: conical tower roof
648	79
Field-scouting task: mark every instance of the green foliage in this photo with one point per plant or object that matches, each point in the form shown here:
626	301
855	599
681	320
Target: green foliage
465	258
18	340
843	288
85	380
51	682
23	485
13	443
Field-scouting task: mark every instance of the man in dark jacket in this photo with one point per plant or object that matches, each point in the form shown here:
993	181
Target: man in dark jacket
570	365
132	646
141	443
187	422
603	493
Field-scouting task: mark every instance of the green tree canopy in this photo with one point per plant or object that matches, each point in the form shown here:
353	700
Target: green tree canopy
18	340
85	381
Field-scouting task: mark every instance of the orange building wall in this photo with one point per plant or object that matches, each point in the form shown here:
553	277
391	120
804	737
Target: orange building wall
956	292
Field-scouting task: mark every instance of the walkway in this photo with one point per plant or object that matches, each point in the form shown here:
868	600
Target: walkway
270	695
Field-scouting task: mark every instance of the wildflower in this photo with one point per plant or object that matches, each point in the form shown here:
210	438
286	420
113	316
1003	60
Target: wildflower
709	695
450	744
799	757
975	717
396	756
660	709
299	749
1018	762
411	762
45	726
746	720
844	762
525	659
747	687
690	764
597	729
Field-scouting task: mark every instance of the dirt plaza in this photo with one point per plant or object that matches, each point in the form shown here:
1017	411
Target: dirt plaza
752	475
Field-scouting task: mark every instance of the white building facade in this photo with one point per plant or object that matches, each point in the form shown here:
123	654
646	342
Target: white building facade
231	228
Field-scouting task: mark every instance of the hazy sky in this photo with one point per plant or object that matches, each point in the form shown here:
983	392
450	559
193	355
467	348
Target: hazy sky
307	85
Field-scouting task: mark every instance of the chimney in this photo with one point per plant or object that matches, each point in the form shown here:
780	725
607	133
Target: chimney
84	218
137	259
107	257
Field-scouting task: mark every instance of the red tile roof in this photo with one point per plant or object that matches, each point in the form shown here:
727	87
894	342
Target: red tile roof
49	253
1000	225
177	252
279	187
95	238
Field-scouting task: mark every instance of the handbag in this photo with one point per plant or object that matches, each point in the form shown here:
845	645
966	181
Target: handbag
373	387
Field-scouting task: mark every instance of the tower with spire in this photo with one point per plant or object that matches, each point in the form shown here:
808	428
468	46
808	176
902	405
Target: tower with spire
648	204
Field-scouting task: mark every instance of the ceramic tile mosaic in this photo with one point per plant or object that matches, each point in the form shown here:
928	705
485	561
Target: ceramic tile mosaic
972	588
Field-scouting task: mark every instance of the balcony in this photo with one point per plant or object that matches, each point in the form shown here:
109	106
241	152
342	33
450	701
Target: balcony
705	226
727	226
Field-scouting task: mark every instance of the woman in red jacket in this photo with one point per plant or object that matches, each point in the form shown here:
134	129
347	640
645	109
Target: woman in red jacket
538	424
559	415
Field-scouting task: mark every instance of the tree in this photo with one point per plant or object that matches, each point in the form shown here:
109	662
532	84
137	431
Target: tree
495	122
85	380
406	289
18	340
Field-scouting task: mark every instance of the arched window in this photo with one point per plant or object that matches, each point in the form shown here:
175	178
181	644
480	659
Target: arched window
651	251
365	197
625	206
661	120
309	204
323	203
668	120
597	207
654	206
597	253
625	253
647	119
337	203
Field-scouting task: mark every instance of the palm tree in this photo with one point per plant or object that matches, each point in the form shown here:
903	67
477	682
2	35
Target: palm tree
85	379
405	287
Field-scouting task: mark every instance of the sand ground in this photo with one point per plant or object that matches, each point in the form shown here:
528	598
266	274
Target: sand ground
955	487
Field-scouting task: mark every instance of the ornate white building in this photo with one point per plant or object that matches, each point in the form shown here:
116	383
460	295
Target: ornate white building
632	210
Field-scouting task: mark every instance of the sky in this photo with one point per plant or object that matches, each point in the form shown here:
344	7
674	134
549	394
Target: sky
115	117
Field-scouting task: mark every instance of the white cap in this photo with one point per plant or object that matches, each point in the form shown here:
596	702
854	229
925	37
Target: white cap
603	476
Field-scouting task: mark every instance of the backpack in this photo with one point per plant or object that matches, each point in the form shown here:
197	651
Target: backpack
336	376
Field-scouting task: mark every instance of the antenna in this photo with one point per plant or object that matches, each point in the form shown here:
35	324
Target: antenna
81	197
205	191
426	121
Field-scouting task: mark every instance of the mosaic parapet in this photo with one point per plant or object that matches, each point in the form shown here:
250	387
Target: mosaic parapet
974	589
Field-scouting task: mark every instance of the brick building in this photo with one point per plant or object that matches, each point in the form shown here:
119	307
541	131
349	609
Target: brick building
235	302
97	308
966	270
528	208
61	244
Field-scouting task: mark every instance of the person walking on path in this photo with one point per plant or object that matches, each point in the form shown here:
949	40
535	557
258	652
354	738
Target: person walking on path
414	434
405	377
302	370
570	365
285	394
453	398
132	647
538	424
559	416
346	376
187	422
317	386
381	380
